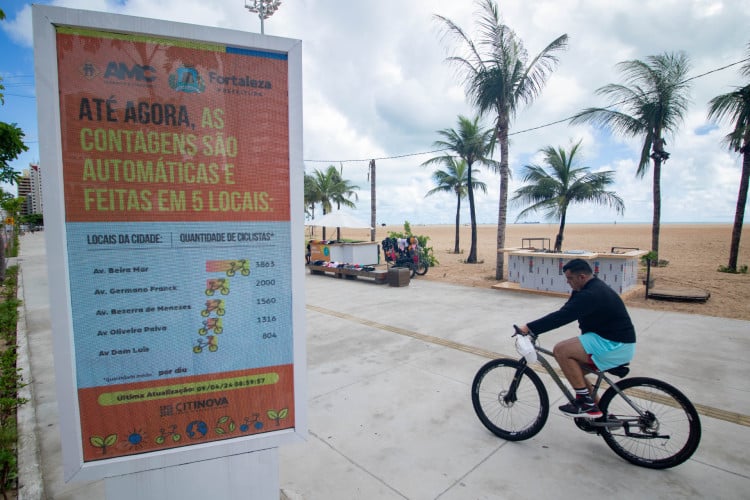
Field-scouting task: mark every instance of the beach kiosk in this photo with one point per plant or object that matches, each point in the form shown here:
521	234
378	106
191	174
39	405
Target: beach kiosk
364	253
542	270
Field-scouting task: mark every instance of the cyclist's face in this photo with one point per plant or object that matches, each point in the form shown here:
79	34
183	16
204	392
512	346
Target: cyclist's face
576	281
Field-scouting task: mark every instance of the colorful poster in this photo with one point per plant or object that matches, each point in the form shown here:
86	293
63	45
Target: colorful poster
177	220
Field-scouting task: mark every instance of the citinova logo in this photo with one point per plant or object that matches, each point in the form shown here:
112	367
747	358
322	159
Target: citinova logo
187	80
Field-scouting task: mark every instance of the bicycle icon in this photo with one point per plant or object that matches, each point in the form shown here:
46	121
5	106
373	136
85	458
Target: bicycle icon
217	284
209	324
214	305
211	342
241	265
171	434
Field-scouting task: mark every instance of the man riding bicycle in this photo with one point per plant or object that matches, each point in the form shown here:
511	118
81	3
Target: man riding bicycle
607	335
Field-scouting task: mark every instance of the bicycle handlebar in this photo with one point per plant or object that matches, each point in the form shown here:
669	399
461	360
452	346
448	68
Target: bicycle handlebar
519	332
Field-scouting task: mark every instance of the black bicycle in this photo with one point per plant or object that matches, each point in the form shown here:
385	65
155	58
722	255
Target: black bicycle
646	421
409	256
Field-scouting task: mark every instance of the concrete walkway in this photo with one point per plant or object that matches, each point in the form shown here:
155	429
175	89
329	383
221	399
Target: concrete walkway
390	414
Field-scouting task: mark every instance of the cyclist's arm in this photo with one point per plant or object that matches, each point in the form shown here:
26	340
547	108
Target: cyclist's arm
579	304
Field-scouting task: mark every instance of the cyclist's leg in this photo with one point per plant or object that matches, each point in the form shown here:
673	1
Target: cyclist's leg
570	355
606	354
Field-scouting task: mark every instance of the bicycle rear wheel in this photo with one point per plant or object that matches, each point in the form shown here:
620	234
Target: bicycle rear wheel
665	435
510	399
421	268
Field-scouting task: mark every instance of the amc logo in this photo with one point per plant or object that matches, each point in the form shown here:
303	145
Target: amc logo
122	71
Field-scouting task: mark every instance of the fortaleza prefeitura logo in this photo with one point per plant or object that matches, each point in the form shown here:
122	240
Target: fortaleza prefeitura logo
188	80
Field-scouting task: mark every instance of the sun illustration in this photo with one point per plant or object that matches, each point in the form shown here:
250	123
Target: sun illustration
135	440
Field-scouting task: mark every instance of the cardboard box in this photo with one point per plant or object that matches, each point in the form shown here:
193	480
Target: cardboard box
399	276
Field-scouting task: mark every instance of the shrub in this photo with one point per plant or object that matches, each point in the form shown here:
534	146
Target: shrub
10	381
428	255
726	269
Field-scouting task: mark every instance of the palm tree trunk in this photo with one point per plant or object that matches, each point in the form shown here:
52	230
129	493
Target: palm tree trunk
456	248
739	213
655	225
502	211
472	259
559	238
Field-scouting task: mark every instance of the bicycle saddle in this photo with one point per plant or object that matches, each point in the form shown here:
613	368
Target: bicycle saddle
619	371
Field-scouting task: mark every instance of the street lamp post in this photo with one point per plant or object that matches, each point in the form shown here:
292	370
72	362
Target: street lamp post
264	9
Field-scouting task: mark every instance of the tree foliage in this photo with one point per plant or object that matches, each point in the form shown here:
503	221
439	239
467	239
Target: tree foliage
499	78
559	183
472	144
329	188
455	179
735	106
11	147
651	103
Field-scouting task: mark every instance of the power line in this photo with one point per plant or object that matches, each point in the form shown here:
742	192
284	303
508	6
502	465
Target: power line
379	158
538	127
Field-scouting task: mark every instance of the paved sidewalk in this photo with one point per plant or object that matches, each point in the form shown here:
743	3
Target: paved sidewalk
390	414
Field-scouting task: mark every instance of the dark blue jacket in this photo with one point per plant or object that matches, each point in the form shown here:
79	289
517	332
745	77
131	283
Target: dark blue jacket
597	308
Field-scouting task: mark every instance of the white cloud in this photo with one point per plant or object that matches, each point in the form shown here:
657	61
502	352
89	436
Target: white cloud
376	84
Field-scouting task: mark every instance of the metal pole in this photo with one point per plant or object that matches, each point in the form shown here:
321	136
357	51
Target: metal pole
373	206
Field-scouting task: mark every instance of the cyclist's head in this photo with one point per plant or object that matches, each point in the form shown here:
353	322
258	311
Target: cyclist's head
577	272
578	266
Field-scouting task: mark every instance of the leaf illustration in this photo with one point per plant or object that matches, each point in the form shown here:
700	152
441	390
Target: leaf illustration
110	440
96	441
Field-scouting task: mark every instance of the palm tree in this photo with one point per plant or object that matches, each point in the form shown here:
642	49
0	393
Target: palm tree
499	78
473	145
455	179
653	100
564	184
331	189
736	106
312	196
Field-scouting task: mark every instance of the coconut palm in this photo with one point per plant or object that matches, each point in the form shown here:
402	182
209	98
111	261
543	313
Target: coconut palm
473	145
311	195
557	184
330	188
455	179
651	103
499	78
736	106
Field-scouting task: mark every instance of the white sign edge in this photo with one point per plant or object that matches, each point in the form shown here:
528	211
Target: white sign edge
45	18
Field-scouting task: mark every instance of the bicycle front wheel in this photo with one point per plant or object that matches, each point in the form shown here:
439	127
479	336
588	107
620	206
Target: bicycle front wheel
510	399
665	433
421	268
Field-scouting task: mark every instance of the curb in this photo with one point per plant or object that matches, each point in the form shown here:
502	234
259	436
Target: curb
30	485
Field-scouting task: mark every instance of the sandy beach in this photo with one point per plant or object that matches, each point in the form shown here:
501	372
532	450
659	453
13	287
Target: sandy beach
694	252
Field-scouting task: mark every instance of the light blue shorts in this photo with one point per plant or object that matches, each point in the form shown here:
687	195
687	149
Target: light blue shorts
605	353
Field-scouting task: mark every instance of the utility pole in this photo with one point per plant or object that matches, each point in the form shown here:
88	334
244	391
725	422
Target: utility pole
373	208
264	9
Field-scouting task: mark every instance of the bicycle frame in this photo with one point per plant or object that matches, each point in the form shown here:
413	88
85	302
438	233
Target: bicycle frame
600	377
512	401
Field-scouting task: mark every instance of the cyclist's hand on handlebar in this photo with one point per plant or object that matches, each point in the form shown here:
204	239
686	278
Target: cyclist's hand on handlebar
522	330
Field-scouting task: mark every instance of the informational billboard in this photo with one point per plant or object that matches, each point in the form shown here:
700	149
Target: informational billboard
173	211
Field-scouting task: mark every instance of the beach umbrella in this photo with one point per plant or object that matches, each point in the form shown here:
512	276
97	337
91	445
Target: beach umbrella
339	219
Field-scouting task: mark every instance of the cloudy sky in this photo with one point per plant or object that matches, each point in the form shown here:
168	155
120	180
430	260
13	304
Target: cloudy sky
376	85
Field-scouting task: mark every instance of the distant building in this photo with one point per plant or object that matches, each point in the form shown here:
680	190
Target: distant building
30	187
37	204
